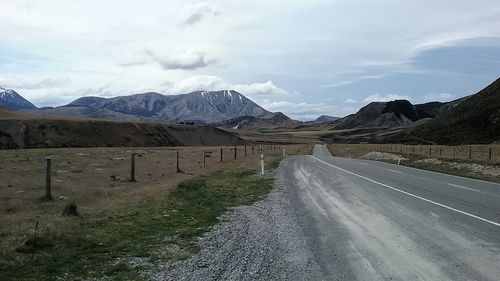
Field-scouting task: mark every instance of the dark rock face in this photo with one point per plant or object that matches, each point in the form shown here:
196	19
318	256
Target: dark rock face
10	99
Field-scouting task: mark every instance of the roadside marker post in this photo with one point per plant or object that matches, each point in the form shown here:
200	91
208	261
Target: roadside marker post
262	164
283	151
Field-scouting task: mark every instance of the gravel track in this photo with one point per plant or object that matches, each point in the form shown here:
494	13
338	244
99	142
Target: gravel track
263	241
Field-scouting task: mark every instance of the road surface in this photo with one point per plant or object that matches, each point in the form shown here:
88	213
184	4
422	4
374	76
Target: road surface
331	218
369	220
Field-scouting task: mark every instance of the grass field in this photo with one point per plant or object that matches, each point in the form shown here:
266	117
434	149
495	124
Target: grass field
120	221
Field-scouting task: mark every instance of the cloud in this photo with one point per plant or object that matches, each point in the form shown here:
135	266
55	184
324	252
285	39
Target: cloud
350	100
28	84
303	110
266	88
195	13
384	98
187	60
438	97
213	83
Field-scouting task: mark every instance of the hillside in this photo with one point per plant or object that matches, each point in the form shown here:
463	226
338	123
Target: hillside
474	120
34	133
198	107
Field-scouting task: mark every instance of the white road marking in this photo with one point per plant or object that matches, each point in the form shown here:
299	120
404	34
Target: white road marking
394	171
364	163
463	187
410	194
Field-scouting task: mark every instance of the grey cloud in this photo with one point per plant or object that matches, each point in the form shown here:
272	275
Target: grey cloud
198	12
183	61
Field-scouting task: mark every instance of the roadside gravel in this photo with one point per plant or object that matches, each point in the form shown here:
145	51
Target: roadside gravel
263	241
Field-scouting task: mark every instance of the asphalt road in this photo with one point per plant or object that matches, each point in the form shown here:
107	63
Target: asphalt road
368	220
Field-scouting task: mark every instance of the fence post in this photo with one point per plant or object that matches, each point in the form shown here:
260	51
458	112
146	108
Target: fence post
235	149
245	150
132	167
204	161
470	152
430	150
490	153
262	164
454	152
177	168
252	149
48	179
221	154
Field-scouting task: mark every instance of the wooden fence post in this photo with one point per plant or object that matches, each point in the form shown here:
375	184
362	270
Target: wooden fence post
470	152
48	179
177	168
132	167
490	153
454	152
252	149
235	151
221	154
245	150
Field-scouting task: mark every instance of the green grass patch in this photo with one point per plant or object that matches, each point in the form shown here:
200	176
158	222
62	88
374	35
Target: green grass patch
102	244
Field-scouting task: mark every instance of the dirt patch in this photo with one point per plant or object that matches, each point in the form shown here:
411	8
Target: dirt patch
375	155
475	168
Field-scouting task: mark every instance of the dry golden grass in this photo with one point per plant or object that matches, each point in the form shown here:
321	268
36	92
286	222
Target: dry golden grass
85	175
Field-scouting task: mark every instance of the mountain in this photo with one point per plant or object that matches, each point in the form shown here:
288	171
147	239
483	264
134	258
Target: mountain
269	121
12	100
198	107
380	114
394	114
476	119
325	119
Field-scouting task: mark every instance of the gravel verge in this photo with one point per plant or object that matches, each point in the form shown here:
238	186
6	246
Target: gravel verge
263	241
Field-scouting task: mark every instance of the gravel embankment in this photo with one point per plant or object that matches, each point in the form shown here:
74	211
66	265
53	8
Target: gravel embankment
263	241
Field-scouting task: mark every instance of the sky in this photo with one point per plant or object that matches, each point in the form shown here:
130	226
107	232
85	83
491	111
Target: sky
303	58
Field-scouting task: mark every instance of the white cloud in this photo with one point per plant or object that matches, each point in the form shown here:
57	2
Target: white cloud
438	97
266	88
20	83
186	60
350	100
212	83
384	98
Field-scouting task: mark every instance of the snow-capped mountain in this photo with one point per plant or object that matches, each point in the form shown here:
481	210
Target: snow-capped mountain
12	100
199	107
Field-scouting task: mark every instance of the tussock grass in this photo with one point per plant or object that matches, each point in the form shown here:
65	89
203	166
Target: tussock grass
158	218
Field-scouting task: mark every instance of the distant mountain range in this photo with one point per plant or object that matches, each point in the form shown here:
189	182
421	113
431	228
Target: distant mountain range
268	121
200	107
392	114
475	119
325	119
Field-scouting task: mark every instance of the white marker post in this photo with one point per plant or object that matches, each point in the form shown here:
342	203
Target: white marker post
262	164
283	151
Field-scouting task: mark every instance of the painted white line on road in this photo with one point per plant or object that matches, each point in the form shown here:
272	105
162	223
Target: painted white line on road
409	194
364	163
394	171
463	187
